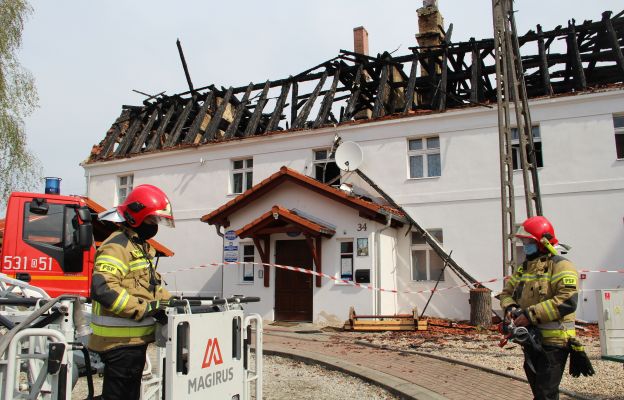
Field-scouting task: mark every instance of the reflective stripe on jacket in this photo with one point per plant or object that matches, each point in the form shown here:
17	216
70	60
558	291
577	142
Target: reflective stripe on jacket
547	288
124	282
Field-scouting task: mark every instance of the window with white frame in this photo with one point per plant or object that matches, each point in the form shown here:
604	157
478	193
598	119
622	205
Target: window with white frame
247	266
426	263
242	175
618	124
424	157
346	260
537	145
325	168
124	187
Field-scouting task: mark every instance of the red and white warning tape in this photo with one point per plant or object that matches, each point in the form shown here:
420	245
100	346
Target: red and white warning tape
352	283
613	271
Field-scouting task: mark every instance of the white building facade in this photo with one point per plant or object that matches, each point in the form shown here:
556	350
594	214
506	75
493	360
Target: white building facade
442	168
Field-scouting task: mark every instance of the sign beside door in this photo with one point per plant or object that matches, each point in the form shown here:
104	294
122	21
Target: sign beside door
230	246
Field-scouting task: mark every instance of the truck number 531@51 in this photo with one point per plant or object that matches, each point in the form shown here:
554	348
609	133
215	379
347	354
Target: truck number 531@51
24	263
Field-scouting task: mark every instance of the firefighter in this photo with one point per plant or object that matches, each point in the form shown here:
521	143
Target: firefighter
127	292
542	295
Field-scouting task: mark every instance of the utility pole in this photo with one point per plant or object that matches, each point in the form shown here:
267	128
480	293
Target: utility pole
511	89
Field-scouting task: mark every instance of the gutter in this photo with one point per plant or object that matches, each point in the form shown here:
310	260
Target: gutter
88	182
222	235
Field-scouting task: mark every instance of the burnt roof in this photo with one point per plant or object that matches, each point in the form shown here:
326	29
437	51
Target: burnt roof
356	88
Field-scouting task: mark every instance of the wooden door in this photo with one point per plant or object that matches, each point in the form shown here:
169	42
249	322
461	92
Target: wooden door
293	290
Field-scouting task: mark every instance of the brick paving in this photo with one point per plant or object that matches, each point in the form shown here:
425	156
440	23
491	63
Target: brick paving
416	376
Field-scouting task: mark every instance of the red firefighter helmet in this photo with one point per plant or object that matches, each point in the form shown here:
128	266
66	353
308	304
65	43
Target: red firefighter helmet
146	203
537	228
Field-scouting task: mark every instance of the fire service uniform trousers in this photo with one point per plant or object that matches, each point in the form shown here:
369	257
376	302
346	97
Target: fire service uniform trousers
549	366
123	371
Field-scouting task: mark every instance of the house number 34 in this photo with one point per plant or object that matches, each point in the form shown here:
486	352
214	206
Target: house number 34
361	227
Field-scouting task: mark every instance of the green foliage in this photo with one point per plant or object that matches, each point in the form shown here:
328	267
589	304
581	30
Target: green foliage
19	169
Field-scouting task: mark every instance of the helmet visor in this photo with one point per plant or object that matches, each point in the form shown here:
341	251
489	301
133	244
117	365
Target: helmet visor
111	215
521	233
160	220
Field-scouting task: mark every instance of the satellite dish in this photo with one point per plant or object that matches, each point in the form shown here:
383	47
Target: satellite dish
349	156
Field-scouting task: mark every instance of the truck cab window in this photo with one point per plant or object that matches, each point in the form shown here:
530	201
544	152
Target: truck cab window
54	234
46	229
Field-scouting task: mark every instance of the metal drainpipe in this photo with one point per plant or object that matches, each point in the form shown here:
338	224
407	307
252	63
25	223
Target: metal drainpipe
377	308
88	179
218	229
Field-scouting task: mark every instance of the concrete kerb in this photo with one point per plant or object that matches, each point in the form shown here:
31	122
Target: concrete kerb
466	364
397	386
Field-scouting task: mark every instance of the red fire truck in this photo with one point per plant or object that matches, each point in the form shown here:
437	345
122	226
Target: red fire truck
49	240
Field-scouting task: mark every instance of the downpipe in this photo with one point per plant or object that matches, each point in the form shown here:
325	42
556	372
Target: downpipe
222	236
377	294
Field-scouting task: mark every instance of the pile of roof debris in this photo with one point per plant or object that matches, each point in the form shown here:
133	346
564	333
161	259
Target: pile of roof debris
439	328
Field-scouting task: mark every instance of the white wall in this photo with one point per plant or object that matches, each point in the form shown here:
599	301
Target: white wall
582	187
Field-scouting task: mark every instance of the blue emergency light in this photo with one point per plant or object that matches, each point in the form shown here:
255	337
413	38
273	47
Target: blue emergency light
52	185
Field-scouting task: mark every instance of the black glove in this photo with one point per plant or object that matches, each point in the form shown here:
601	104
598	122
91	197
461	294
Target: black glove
579	362
156	310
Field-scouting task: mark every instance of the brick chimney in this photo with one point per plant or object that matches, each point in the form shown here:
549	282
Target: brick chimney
360	40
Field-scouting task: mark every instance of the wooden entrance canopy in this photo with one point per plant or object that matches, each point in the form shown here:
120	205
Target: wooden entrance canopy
282	220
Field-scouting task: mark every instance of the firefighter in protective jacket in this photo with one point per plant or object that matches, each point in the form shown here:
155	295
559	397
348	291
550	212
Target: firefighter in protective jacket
543	294
127	291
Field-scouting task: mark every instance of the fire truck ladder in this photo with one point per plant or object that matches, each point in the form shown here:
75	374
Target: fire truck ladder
510	88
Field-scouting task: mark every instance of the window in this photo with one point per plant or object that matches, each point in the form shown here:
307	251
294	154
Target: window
325	168
242	175
346	260
247	268
515	147
424	157
618	124
426	263
48	229
124	187
52	234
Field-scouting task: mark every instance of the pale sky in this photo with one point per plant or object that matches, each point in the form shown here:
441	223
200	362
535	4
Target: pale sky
87	56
